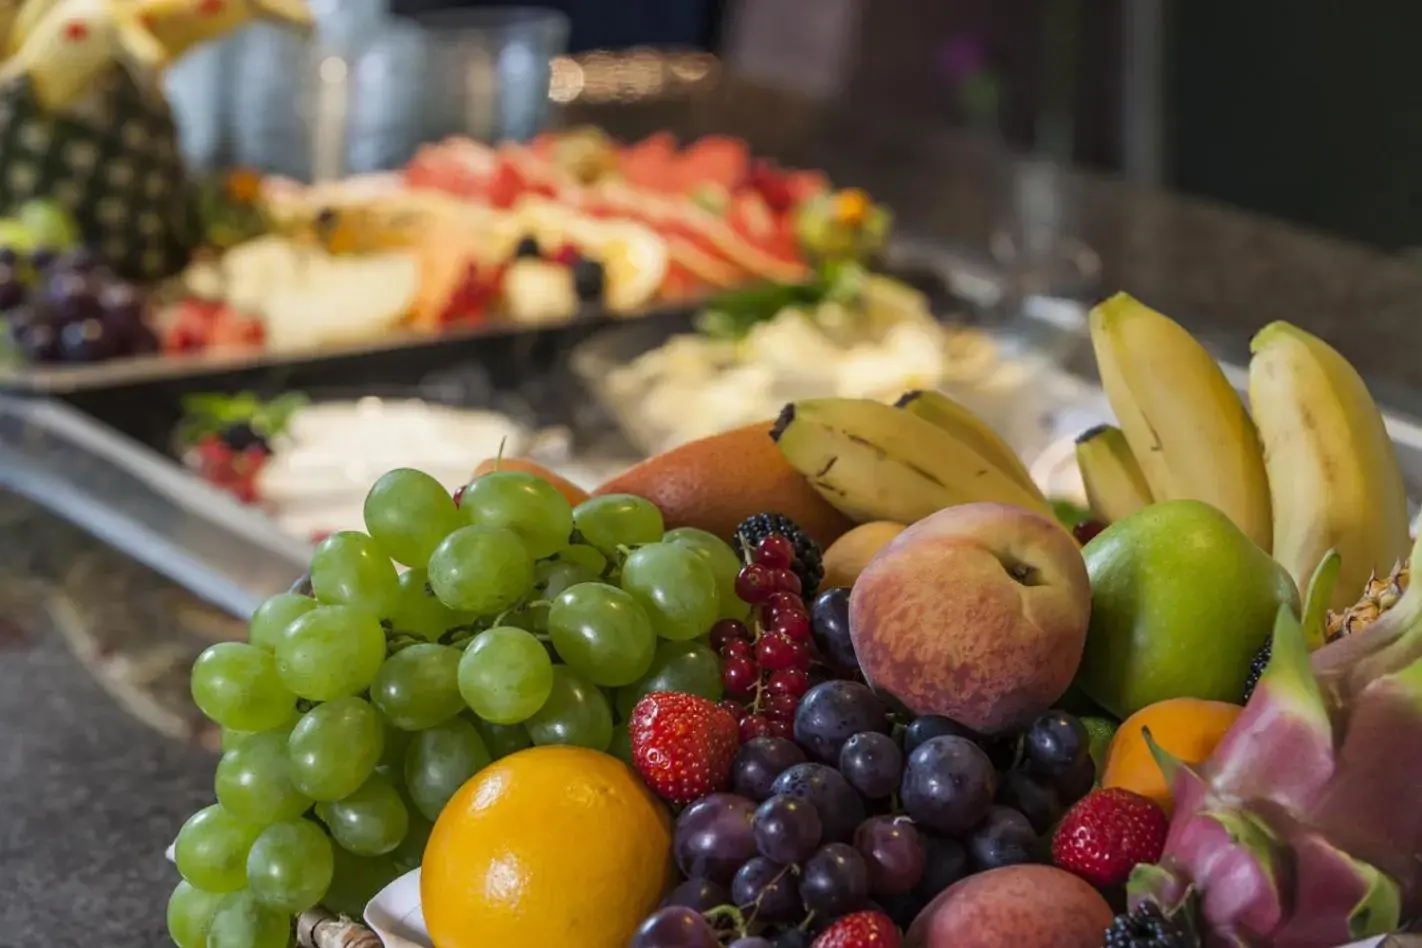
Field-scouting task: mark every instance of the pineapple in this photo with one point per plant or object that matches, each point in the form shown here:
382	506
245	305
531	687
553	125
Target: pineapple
1379	596
83	122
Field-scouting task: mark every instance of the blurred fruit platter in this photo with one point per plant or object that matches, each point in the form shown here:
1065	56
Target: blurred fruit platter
467	239
847	678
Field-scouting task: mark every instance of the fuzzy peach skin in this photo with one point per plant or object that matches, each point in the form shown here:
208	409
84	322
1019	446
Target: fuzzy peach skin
1013	907
978	612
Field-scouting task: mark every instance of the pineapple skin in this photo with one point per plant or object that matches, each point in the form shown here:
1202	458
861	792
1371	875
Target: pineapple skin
1380	595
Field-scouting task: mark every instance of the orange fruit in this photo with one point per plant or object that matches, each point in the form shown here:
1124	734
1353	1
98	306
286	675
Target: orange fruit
558	847
575	494
1189	728
715	483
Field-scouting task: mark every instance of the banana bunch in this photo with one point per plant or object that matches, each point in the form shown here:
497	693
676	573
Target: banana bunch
1115	484
901	462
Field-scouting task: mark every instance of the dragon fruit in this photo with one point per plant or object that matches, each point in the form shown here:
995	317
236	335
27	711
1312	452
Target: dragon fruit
1304	828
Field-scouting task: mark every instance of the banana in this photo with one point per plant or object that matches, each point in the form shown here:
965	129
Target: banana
1333	471
876	462
1185	423
960	422
1115	486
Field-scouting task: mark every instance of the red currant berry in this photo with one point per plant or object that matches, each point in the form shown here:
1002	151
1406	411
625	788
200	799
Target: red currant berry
735	710
737	648
1086	531
799	656
778	602
787	581
785	729
728	630
775	652
753	726
775	552
739	675
780	707
755	583
792	625
789	681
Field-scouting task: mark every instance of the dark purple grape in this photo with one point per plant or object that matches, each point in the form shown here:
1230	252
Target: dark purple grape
1033	797
1005	838
675	927
12	290
85	340
839	807
699	894
758	762
750	941
793	938
930	726
42	259
902	909
829	624
829	714
714	836
140	340
835	881
1055	743
767	888
893	850
8	256
78	260
1002	751
37	340
71	297
872	763
787	829
945	861
1077	782
948	785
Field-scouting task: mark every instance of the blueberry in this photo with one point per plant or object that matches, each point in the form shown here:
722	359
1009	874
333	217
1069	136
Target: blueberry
1055	743
589	280
527	247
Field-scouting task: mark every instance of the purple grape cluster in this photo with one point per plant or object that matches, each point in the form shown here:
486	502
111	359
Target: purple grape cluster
71	308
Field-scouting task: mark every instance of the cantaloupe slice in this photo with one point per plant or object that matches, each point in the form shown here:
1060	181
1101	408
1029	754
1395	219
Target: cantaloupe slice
344	299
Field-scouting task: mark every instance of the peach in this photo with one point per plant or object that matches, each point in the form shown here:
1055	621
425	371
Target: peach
978	612
1041	906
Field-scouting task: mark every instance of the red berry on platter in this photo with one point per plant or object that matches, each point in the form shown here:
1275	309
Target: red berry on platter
799	655
785	729
791	681
727	630
682	745
736	648
775	552
1087	530
775	652
860	930
779	603
787	581
780	707
754	583
1107	833
753	726
792	625
735	710
739	676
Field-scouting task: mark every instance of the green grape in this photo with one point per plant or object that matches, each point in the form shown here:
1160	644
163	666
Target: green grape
419	611
369	822
350	569
392	754
236	685
502	739
505	675
411	851
211	849
331	652
621	746
408	512
418	686
439	761
602	633
725	566
190	912
550	578
676	588
356	881
243	922
690	667
575	713
233	738
609	521
528	505
254	780
273	617
290	865
481	570
334	747
585	556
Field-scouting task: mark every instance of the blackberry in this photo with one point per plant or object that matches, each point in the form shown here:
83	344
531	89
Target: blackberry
241	436
1256	670
1146	927
808	562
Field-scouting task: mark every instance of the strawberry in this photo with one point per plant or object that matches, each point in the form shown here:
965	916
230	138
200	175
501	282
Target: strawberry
860	930
1107	833
682	745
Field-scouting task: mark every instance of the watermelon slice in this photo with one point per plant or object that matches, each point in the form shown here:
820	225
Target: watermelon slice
651	163
713	159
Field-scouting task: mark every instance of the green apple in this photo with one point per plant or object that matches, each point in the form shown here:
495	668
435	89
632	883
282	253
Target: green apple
1181	600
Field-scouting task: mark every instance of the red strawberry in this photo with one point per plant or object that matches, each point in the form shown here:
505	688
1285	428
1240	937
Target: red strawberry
1107	833
682	745
860	930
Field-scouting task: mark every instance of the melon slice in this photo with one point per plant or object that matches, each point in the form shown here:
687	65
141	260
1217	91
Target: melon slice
339	300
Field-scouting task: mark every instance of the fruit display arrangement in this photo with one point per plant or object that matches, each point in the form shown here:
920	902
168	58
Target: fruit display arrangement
843	680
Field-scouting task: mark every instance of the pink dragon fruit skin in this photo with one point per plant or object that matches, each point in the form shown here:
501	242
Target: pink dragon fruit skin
1304	827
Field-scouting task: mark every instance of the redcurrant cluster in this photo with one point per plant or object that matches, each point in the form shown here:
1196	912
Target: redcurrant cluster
765	665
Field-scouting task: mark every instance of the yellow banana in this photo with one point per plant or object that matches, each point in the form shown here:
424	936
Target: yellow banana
960	422
1333	471
1185	423
1115	486
875	462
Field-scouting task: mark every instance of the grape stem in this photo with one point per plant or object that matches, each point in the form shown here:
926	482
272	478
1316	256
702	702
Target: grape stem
318	928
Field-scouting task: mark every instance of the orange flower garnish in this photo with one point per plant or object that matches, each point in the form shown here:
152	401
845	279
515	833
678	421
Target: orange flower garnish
851	206
244	185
